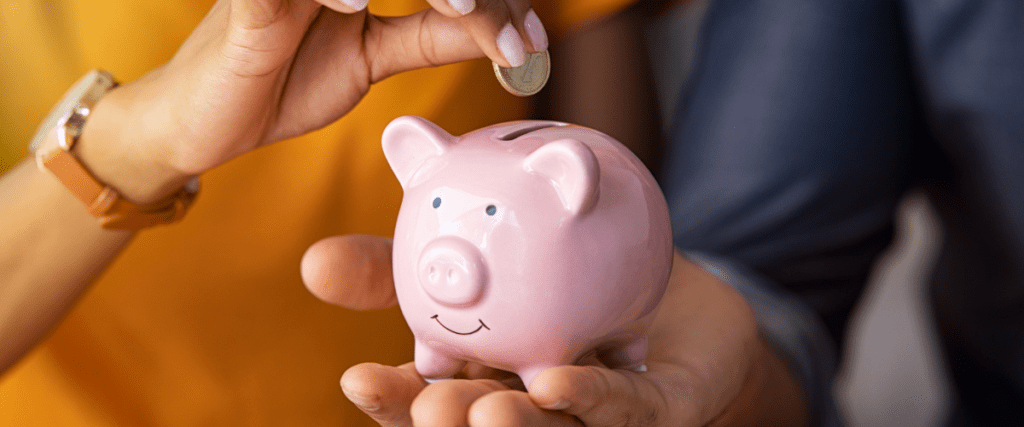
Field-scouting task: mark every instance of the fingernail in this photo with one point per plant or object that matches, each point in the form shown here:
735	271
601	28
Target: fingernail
511	46
535	30
356	4
557	406
463	6
361	401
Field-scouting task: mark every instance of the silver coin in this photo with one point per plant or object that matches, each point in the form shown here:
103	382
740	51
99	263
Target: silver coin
528	78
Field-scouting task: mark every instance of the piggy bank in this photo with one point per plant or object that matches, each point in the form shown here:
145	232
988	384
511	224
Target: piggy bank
525	245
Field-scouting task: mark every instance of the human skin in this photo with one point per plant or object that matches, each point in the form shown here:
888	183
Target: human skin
252	73
707	365
246	63
556	192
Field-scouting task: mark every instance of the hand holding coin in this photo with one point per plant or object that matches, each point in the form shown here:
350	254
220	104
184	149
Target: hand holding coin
507	31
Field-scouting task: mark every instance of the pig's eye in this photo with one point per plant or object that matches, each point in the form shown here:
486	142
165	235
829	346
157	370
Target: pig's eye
491	210
437	202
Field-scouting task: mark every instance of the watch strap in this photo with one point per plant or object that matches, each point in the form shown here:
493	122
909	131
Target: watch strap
106	204
53	145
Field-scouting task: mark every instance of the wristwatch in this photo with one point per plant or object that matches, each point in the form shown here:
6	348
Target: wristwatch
52	147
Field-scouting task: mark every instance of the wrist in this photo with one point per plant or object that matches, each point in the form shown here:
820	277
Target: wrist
770	395
124	153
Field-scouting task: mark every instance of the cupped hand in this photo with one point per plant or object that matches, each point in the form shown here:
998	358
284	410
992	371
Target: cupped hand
706	363
258	71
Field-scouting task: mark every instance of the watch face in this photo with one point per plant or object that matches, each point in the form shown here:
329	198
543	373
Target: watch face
82	96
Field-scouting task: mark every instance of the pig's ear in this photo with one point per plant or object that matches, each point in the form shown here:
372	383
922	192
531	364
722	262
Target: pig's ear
572	169
410	142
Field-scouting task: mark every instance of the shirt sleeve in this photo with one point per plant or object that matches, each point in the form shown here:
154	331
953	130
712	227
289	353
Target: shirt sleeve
789	150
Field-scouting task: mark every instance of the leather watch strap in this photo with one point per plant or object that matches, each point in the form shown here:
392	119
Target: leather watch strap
107	205
53	146
74	176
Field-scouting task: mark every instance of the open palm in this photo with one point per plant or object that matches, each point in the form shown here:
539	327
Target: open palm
706	363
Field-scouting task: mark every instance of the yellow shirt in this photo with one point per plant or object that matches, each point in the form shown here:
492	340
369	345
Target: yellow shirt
207	322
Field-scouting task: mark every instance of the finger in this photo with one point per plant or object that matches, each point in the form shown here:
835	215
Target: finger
493	26
536	35
453	8
258	14
351	271
263	34
446	403
385	393
604	397
504	29
514	408
345	6
423	39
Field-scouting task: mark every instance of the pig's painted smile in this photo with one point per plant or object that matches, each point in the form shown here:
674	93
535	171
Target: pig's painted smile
478	328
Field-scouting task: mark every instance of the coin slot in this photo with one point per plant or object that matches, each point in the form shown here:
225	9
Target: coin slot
520	132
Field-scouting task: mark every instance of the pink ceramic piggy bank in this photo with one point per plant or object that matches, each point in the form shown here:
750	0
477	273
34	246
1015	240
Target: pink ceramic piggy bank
524	246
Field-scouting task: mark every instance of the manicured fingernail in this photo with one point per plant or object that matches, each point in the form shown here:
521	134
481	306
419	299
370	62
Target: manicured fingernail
557	406
463	6
535	30
361	401
511	46
356	4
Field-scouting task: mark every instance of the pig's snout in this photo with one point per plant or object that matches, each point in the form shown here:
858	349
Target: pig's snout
452	271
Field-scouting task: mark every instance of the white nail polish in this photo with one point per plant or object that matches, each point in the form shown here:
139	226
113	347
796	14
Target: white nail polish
535	30
463	6
356	4
511	45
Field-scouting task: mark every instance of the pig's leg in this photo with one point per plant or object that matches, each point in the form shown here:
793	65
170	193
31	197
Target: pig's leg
434	366
630	355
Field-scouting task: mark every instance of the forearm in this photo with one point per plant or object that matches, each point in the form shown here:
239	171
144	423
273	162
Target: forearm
53	248
704	318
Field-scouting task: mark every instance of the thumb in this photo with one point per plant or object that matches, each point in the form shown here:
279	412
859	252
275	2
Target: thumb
352	271
259	14
425	39
263	35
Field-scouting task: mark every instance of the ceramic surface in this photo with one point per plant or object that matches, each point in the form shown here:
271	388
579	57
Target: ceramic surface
524	246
